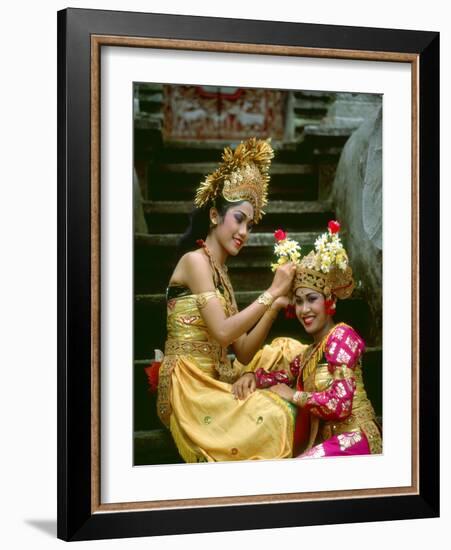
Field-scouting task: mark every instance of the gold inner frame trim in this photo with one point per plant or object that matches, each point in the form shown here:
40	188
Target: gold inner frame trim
97	41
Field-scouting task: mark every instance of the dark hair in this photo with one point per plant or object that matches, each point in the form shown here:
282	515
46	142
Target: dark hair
199	225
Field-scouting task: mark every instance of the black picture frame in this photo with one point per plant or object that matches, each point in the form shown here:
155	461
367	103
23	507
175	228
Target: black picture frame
79	517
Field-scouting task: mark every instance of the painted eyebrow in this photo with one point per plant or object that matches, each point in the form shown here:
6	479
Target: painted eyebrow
244	214
306	295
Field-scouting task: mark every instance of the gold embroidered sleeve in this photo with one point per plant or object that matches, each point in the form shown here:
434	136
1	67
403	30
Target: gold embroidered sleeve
203	298
343	372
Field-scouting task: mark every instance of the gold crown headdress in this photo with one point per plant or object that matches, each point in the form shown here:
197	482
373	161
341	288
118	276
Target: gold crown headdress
326	269
242	175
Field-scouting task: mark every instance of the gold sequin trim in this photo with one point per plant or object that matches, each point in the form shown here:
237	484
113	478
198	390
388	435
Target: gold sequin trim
374	437
164	408
355	421
203	298
226	371
180	347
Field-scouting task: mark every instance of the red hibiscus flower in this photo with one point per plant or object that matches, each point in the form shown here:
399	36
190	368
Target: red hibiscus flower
280	235
153	375
334	226
290	312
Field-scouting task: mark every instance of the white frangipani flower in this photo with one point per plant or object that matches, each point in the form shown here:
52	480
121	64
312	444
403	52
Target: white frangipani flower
286	249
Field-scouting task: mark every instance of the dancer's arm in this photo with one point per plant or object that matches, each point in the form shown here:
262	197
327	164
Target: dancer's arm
248	344
198	277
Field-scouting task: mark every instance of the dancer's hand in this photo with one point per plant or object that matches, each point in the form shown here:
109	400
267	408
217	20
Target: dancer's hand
244	386
283	280
283	390
281	302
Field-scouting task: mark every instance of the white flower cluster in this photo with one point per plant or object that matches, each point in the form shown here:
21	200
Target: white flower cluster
330	252
286	250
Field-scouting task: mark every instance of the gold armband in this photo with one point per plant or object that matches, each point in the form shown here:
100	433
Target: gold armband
202	299
266	299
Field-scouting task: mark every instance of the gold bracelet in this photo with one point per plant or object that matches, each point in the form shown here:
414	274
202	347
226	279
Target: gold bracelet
266	299
299	398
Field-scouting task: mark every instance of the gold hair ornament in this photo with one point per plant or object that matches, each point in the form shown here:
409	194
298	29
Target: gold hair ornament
242	175
326	269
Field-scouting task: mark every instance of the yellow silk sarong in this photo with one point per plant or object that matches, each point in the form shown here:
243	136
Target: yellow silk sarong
206	421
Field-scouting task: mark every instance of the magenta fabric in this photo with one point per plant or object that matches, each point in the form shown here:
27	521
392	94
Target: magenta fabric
344	347
345	444
267	379
335	403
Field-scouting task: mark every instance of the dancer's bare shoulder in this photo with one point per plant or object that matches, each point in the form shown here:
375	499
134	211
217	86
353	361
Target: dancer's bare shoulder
193	271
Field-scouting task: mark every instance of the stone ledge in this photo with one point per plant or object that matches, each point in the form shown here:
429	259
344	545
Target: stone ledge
242	297
255	239
208	167
274	207
323	130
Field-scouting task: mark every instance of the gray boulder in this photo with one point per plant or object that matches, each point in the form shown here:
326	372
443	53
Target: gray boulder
357	195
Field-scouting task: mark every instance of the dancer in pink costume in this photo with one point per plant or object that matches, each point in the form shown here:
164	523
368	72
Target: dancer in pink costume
335	416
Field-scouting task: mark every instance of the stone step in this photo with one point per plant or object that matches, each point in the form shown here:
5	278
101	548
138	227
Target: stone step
243	297
310	107
188	147
204	168
297	216
210	150
260	240
148	123
154	447
324	142
314	95
326	130
171	179
274	207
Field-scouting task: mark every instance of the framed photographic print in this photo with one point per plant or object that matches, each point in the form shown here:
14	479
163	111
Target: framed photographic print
150	106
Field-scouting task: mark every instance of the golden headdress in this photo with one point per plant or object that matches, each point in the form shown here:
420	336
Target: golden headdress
242	175
326	269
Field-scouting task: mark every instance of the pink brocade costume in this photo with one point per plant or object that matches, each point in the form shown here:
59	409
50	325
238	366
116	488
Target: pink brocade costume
342	419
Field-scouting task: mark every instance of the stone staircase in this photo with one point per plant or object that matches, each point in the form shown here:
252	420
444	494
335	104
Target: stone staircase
301	175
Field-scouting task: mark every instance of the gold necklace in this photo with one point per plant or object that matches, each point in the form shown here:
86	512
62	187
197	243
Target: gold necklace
220	276
310	363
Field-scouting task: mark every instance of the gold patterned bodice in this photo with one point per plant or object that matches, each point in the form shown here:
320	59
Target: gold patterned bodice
187	334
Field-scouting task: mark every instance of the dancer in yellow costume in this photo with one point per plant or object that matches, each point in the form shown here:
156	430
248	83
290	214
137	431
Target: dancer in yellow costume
195	397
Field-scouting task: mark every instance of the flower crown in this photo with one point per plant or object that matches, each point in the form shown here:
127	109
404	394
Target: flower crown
242	175
326	269
286	250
